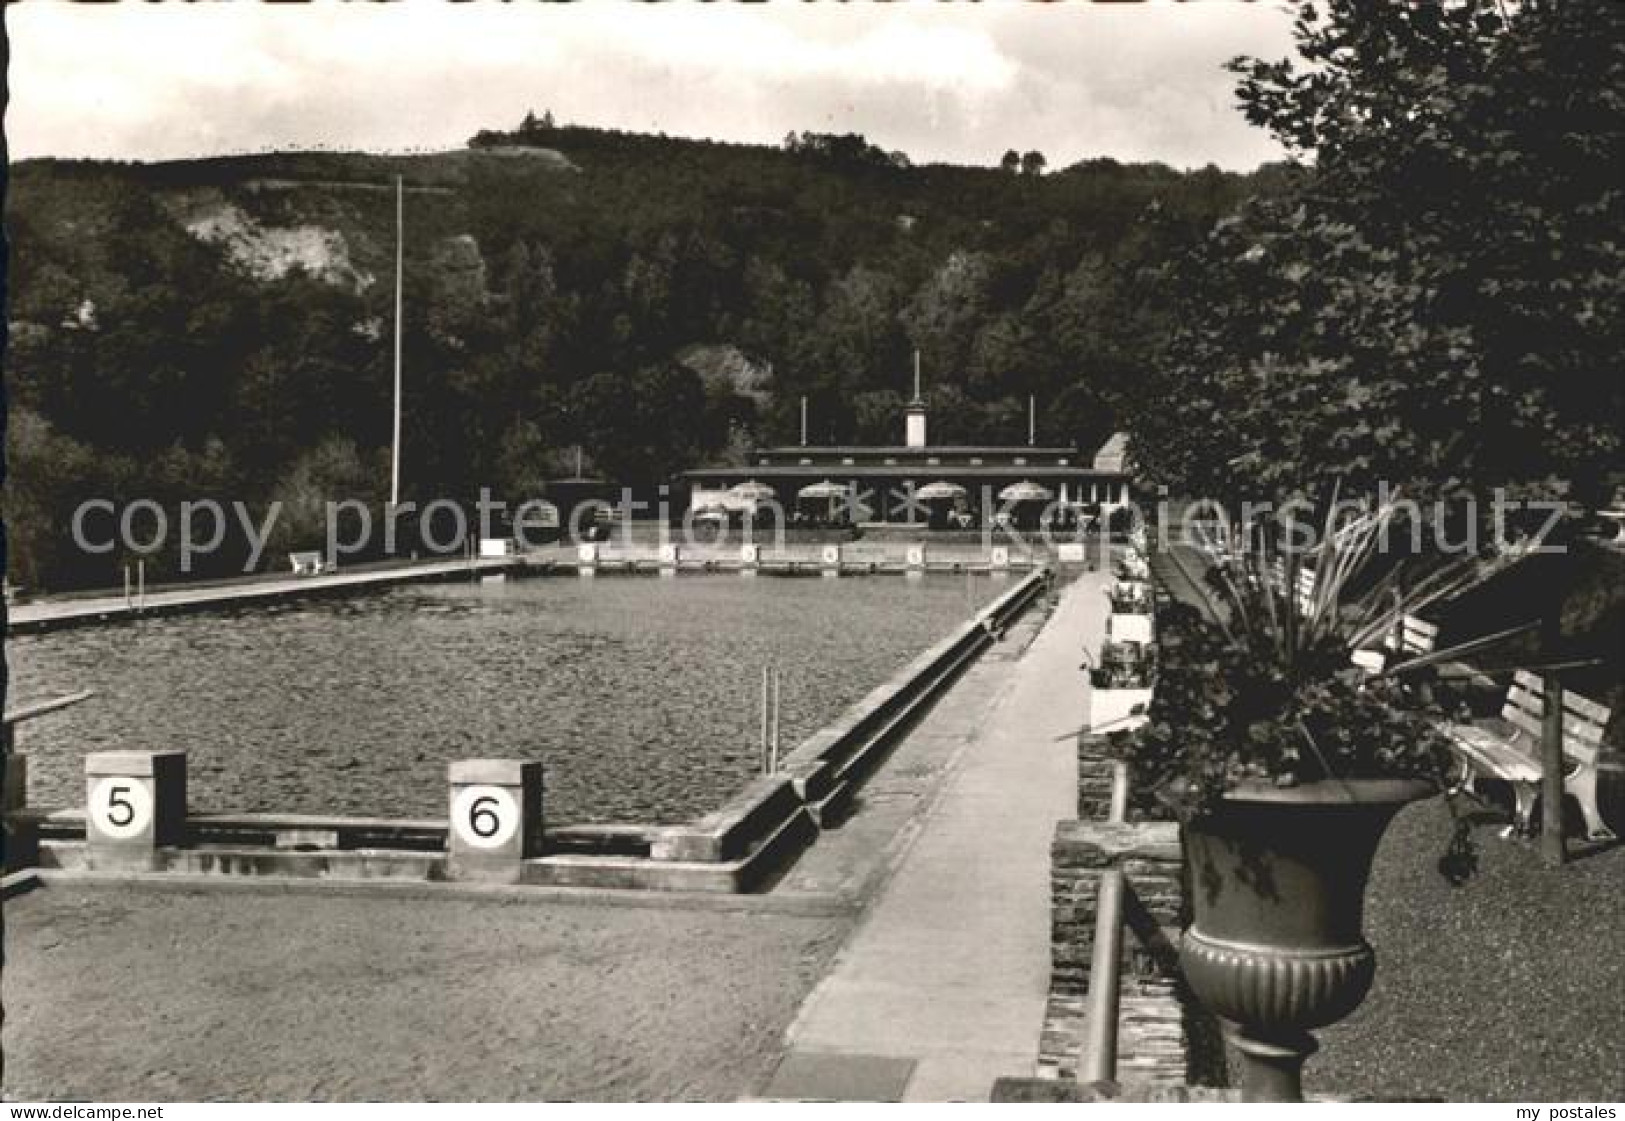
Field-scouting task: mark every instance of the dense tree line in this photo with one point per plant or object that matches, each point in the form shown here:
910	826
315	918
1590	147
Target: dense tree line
654	301
1434	298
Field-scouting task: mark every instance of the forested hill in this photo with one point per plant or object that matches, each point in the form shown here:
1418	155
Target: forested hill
222	326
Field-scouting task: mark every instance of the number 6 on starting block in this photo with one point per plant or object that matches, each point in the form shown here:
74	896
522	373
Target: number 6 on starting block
496	818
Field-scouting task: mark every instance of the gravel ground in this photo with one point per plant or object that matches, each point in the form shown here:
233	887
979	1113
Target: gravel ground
1511	987
126	995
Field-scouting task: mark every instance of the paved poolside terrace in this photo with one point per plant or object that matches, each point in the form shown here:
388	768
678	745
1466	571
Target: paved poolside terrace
896	839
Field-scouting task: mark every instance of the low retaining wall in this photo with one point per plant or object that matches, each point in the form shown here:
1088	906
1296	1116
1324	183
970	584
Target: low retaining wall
1152	1041
1165	1040
736	827
1094	778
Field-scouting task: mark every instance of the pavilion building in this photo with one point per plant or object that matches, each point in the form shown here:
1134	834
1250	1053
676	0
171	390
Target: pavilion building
918	482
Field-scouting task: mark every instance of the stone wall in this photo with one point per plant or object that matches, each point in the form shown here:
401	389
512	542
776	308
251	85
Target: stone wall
1162	1038
1094	778
1165	1041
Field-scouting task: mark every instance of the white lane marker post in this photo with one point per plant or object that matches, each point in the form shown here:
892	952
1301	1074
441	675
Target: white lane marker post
495	820
762	744
773	739
135	804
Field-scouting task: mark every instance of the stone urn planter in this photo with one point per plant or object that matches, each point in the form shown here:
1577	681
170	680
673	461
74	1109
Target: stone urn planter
1275	948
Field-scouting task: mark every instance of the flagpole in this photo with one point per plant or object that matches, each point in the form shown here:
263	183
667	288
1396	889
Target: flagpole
395	437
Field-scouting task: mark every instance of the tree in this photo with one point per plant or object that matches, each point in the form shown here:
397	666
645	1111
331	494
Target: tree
947	311
49	476
857	344
334	471
1033	163
532	126
521	467
1428	302
629	421
1011	161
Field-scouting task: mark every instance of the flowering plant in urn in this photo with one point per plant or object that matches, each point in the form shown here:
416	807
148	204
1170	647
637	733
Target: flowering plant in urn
1285	762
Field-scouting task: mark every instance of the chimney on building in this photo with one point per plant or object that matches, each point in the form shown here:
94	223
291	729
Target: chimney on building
914	414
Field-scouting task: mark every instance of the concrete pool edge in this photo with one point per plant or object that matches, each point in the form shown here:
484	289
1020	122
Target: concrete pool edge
760	830
816	905
823	769
106	606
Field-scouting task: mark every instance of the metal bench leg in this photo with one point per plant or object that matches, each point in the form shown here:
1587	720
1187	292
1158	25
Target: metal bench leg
1582	786
1463	783
1525	795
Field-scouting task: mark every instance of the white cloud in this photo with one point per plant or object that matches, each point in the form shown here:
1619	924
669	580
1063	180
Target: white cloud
959	82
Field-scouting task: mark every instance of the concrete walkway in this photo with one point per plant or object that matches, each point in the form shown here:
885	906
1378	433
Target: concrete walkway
942	988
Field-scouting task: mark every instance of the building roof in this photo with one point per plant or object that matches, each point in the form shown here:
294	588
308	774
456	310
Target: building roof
766	471
1113	454
901	449
795	461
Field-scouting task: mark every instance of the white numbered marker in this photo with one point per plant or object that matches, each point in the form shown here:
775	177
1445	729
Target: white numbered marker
121	807
485	817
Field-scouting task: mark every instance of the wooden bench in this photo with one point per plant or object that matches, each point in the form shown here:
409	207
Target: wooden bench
1413	636
1306	583
1509	750
306	564
1208	538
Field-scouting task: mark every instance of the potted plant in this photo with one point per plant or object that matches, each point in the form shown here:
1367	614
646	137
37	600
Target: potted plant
1133	566
1120	684
1130	597
1285	763
1124	665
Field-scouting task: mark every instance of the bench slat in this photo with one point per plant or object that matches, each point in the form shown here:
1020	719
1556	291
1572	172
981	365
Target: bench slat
1502	759
1583	719
1527	683
1587	707
1414	636
1577	733
1417	636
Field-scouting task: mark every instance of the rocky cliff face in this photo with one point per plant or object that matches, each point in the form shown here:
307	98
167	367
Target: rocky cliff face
271	252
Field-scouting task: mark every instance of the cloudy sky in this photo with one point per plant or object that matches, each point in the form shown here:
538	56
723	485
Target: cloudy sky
959	83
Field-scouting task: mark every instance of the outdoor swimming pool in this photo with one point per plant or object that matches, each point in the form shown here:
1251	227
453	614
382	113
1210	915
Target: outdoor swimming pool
638	693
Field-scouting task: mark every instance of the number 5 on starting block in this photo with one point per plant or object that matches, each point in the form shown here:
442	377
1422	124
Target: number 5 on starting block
135	803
